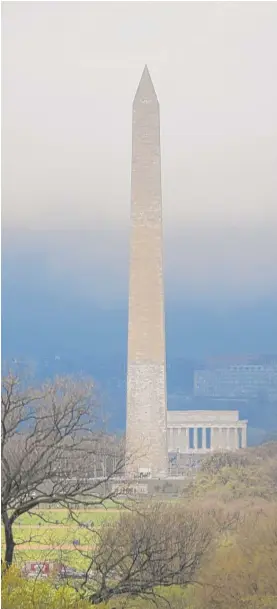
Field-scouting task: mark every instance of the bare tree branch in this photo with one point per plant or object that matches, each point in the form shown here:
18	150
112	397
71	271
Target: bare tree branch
53	449
141	552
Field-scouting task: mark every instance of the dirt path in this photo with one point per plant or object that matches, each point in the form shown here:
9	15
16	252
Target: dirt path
91	510
43	527
41	546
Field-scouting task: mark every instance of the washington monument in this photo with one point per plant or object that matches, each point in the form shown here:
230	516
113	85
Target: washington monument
146	429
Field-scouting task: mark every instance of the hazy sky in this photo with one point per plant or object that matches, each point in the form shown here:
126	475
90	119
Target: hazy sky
70	71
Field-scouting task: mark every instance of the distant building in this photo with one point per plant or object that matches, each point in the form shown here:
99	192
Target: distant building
204	431
250	380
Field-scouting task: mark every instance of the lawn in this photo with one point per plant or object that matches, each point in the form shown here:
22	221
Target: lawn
61	517
49	534
71	558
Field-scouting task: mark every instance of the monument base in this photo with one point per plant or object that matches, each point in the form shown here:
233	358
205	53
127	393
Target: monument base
171	486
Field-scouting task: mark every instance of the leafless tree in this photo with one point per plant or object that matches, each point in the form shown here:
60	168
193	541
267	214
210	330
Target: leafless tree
52	450
143	550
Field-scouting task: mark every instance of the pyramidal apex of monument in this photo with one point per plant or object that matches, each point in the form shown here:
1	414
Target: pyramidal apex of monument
145	91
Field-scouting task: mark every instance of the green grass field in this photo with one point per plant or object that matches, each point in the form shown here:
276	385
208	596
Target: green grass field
49	535
61	517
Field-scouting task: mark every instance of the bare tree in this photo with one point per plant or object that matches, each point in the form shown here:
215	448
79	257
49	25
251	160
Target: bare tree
158	546
52	450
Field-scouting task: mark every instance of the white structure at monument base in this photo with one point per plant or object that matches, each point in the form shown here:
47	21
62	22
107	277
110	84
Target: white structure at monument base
204	431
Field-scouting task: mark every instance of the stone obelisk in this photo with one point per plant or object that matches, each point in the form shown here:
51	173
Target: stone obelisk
146	429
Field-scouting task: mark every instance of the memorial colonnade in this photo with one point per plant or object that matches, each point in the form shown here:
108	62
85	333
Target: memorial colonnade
201	431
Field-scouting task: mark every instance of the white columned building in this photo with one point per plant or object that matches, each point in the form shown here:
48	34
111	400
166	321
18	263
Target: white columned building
202	431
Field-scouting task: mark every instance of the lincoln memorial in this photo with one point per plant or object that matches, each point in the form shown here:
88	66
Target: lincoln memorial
203	431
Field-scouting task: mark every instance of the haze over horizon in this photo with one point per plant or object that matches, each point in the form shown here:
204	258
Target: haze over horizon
70	72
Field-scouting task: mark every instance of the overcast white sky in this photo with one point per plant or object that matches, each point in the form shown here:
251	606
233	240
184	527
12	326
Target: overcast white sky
70	71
